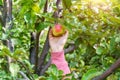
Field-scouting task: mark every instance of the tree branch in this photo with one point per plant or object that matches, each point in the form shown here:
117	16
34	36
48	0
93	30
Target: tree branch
46	47
1	8
7	21
57	4
37	63
56	13
73	46
9	14
34	47
113	67
1	20
46	6
32	56
46	67
24	75
4	12
43	54
27	69
70	48
1	15
37	50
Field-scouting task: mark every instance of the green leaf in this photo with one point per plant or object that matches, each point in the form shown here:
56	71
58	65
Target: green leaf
115	20
5	51
36	8
54	69
14	69
54	73
117	39
112	45
116	10
42	3
19	51
41	78
27	17
4	36
4	75
1	61
91	74
66	4
99	50
1	2
113	77
42	25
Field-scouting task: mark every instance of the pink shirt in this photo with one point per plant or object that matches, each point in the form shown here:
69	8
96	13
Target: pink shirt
58	59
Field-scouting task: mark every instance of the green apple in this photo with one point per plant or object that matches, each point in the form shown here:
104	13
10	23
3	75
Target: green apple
58	30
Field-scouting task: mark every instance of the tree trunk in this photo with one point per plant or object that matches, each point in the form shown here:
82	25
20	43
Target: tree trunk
7	22
109	71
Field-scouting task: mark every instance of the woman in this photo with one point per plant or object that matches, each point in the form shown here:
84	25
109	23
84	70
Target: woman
57	51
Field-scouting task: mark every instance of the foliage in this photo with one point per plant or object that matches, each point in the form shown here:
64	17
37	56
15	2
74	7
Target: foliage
96	24
90	74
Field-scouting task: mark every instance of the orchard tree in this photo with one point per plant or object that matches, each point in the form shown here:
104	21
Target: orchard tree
93	44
